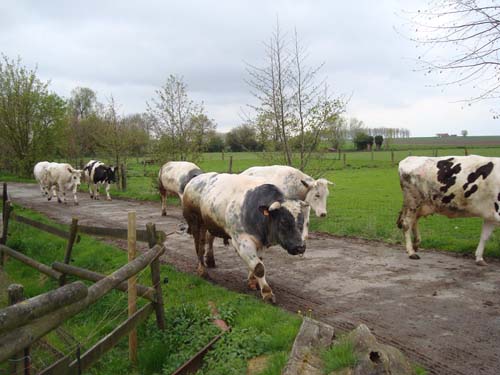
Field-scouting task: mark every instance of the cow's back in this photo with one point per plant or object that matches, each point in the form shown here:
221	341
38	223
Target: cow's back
40	169
453	185
175	175
286	178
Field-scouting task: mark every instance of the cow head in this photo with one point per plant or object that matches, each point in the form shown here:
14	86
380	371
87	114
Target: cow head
75	176
286	224
111	174
317	195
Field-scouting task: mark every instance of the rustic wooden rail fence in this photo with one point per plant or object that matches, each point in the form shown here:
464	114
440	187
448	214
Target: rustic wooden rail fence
22	324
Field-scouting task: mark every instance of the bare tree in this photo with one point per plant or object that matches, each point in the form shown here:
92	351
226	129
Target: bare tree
173	111
292	99
462	38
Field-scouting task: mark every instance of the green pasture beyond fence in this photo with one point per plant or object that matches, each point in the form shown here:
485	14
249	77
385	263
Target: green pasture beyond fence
364	202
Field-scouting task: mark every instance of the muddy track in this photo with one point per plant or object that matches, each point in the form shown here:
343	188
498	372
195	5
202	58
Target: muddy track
442	311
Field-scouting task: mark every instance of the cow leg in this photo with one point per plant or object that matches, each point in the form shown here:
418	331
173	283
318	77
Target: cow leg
416	235
252	281
108	186
407	220
210	251
485	234
75	198
163	195
199	234
96	191
91	190
58	194
248	252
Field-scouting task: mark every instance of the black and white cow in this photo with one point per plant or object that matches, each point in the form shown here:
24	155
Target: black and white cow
250	212
296	185
454	186
97	173
173	178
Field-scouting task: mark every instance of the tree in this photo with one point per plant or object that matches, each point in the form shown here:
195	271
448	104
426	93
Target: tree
462	38
202	126
361	140
369	142
379	139
337	132
242	138
464	133
291	99
215	142
30	116
173	111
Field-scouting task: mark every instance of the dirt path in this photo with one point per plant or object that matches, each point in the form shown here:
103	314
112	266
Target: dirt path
443	311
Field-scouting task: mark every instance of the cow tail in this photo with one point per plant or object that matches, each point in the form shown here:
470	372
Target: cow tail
161	188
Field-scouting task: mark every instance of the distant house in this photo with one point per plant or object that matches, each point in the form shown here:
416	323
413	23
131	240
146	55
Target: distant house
442	135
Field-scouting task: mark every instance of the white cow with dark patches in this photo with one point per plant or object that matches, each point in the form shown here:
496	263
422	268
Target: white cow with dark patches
62	177
296	185
173	178
39	172
454	186
97	173
250	212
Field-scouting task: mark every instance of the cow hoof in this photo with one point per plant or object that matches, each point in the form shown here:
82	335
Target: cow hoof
269	298
481	262
414	256
202	272
108	199
210	262
76	203
252	285
163	214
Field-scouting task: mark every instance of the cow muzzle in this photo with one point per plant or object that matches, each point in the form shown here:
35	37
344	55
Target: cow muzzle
297	250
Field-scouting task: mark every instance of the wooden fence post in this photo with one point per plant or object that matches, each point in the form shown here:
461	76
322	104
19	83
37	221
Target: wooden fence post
156	278
339	153
7	209
69	247
222	154
392	157
466	152
123	175
20	363
344	159
230	170
371	149
132	289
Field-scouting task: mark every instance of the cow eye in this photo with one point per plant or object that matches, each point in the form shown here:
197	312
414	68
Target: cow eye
317	196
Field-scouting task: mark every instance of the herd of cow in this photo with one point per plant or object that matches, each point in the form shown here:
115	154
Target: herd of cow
266	206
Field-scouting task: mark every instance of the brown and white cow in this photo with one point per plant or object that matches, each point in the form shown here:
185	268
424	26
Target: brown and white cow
454	186
62	177
173	178
296	185
250	212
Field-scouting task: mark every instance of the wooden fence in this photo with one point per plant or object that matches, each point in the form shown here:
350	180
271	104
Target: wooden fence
22	324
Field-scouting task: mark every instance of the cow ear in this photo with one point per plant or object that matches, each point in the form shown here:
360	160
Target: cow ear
305	184
330	183
70	170
304	204
264	210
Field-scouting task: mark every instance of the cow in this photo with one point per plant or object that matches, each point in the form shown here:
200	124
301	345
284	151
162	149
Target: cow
454	186
173	178
97	173
251	213
62	177
295	185
39	172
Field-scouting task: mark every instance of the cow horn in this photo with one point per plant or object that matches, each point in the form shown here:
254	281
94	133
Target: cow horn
305	183
275	206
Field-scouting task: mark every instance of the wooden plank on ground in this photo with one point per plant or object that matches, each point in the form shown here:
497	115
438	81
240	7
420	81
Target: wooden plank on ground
110	340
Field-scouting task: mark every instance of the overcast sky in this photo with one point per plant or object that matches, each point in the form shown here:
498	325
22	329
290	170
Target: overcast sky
128	48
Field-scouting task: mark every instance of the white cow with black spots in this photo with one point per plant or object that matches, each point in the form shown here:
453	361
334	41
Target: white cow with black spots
173	178
295	185
248	211
454	186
